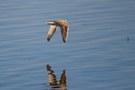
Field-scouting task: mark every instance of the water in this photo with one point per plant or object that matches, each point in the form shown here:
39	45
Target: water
99	54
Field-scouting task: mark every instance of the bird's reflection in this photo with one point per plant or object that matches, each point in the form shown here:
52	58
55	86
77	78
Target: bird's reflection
54	83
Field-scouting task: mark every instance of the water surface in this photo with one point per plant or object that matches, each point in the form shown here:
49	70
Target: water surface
99	54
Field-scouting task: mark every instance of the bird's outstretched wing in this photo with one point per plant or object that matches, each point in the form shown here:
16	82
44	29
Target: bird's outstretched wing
51	31
64	33
51	76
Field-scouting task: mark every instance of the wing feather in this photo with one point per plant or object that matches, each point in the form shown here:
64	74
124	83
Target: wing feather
64	33
51	31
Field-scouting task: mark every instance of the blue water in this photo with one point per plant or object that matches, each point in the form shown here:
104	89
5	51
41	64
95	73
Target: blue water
99	54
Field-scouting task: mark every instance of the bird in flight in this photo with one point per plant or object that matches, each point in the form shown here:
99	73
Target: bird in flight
62	83
63	24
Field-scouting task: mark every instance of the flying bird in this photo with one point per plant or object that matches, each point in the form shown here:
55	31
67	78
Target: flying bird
63	24
62	83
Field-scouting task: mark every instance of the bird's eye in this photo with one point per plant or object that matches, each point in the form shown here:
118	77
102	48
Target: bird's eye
66	21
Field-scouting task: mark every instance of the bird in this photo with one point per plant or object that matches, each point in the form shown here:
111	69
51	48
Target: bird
63	24
62	83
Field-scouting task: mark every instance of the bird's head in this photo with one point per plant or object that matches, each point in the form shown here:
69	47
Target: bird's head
66	21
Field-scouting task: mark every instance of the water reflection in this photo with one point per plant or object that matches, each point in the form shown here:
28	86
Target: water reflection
52	80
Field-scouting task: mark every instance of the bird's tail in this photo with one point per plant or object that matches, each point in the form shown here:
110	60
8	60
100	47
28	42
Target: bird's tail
51	23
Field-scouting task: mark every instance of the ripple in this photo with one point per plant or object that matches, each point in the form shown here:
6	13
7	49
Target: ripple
96	56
